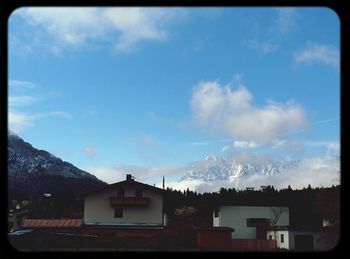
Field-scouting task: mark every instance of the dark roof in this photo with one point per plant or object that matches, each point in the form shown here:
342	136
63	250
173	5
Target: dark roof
124	183
215	229
52	223
278	228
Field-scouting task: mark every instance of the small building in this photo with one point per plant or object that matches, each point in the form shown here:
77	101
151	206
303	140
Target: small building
280	234
255	222
272	223
125	203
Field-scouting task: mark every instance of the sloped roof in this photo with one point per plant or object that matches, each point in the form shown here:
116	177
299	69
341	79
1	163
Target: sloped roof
52	223
124	183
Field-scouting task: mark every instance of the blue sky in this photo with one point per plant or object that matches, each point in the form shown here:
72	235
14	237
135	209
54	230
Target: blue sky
151	90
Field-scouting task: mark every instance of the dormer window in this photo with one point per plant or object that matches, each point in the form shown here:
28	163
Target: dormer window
139	192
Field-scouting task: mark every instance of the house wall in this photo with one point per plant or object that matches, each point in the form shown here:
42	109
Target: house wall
276	235
97	208
216	220
236	218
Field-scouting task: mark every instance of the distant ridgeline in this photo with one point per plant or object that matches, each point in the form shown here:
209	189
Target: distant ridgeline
33	172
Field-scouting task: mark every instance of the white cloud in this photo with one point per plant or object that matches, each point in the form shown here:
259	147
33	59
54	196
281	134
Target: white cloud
125	26
332	147
317	171
60	114
285	20
24	100
67	25
108	174
89	152
263	47
183	185
326	121
117	173
18	121
318	54
22	84
232	112
244	144
268	38
136	24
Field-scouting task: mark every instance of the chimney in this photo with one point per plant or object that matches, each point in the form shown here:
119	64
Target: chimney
163	183
129	177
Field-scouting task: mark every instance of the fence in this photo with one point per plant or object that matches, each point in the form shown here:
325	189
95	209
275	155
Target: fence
253	245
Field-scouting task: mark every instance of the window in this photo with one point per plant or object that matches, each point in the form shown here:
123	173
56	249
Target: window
270	237
216	213
138	192
255	222
118	212
120	192
282	238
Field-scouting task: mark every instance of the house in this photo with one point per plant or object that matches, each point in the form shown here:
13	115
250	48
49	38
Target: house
272	223
126	203
255	222
250	222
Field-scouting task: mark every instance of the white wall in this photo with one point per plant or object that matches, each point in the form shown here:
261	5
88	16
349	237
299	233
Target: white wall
97	208
236	217
276	235
216	220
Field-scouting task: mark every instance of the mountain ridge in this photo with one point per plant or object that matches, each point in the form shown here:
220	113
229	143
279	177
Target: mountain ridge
214	168
32	171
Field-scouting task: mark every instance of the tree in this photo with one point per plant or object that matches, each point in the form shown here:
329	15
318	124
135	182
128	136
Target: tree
276	214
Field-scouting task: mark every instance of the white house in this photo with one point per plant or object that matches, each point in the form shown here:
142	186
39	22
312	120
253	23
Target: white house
255	222
281	235
126	203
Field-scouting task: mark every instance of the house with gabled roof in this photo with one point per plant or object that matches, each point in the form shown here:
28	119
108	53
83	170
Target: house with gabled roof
126	203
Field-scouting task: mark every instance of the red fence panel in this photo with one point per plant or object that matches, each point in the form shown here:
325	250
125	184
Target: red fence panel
253	245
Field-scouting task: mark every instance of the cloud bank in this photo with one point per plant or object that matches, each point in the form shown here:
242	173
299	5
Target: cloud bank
124	26
232	112
318	54
316	171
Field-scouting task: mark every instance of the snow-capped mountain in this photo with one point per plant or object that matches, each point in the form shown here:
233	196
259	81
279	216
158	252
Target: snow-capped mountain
214	168
33	171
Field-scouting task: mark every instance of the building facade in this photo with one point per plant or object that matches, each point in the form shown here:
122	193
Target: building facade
126	203
248	220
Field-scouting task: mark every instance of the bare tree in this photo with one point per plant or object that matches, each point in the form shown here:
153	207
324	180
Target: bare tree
276	214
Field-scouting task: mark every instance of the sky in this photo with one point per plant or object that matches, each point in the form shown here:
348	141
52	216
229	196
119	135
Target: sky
149	91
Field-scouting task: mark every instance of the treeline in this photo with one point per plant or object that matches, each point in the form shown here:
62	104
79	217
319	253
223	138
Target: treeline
307	207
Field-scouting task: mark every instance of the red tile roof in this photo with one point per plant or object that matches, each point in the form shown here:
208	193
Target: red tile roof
52	223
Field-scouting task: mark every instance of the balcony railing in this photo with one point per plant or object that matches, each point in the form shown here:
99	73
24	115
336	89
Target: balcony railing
129	201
